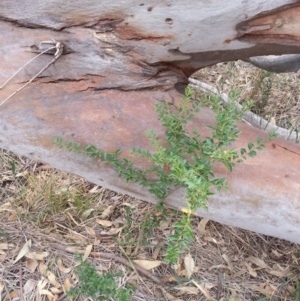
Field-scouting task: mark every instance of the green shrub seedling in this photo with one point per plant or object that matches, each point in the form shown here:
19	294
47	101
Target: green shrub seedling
183	158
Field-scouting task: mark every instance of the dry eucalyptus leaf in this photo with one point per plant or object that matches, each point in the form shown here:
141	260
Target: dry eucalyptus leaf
62	268
13	295
104	223
203	290
273	120
202	225
56	290
85	214
2	257
106	213
37	255
148	264
211	239
276	253
234	296
251	271
230	265
188	290
259	262
47	293
31	265
189	265
41	284
266	289
43	268
168	296
6	207
29	286
219	266
74	250
23	251
114	231
280	273
6	246
87	252
94	189
67	285
52	279
91	232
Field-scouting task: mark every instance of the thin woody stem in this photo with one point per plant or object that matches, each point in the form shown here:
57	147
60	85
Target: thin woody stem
59	50
8	80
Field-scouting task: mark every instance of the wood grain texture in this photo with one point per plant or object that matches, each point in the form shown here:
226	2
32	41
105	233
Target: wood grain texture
119	59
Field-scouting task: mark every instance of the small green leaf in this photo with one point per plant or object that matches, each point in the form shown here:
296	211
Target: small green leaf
252	153
243	151
250	145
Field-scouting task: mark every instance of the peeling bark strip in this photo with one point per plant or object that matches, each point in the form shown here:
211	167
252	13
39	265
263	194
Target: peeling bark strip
278	27
120	57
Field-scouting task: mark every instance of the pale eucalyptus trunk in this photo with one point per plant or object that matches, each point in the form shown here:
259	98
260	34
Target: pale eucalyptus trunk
120	57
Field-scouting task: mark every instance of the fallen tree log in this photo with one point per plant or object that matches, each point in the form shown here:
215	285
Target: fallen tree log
119	59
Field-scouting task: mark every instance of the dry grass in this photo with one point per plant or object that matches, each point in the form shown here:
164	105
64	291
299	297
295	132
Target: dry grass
46	216
277	96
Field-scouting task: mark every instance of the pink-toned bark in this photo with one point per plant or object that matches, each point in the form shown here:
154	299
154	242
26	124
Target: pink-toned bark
119	59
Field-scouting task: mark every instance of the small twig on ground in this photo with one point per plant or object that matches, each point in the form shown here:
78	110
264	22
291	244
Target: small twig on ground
21	283
59	50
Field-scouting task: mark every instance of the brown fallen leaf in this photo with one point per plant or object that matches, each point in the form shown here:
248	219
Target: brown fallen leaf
251	271
13	295
43	268
62	268
56	290
23	251
37	255
276	253
219	266
104	222
6	207
148	264
94	189
31	265
189	265
280	273
259	262
202	225
91	232
67	285
74	250
107	211
85	214
1	287
47	293
6	246
203	290
168	296
211	239
41	284
29	286
3	257
266	289
157	250
87	252
230	265
52	279
114	231
188	290
234	296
